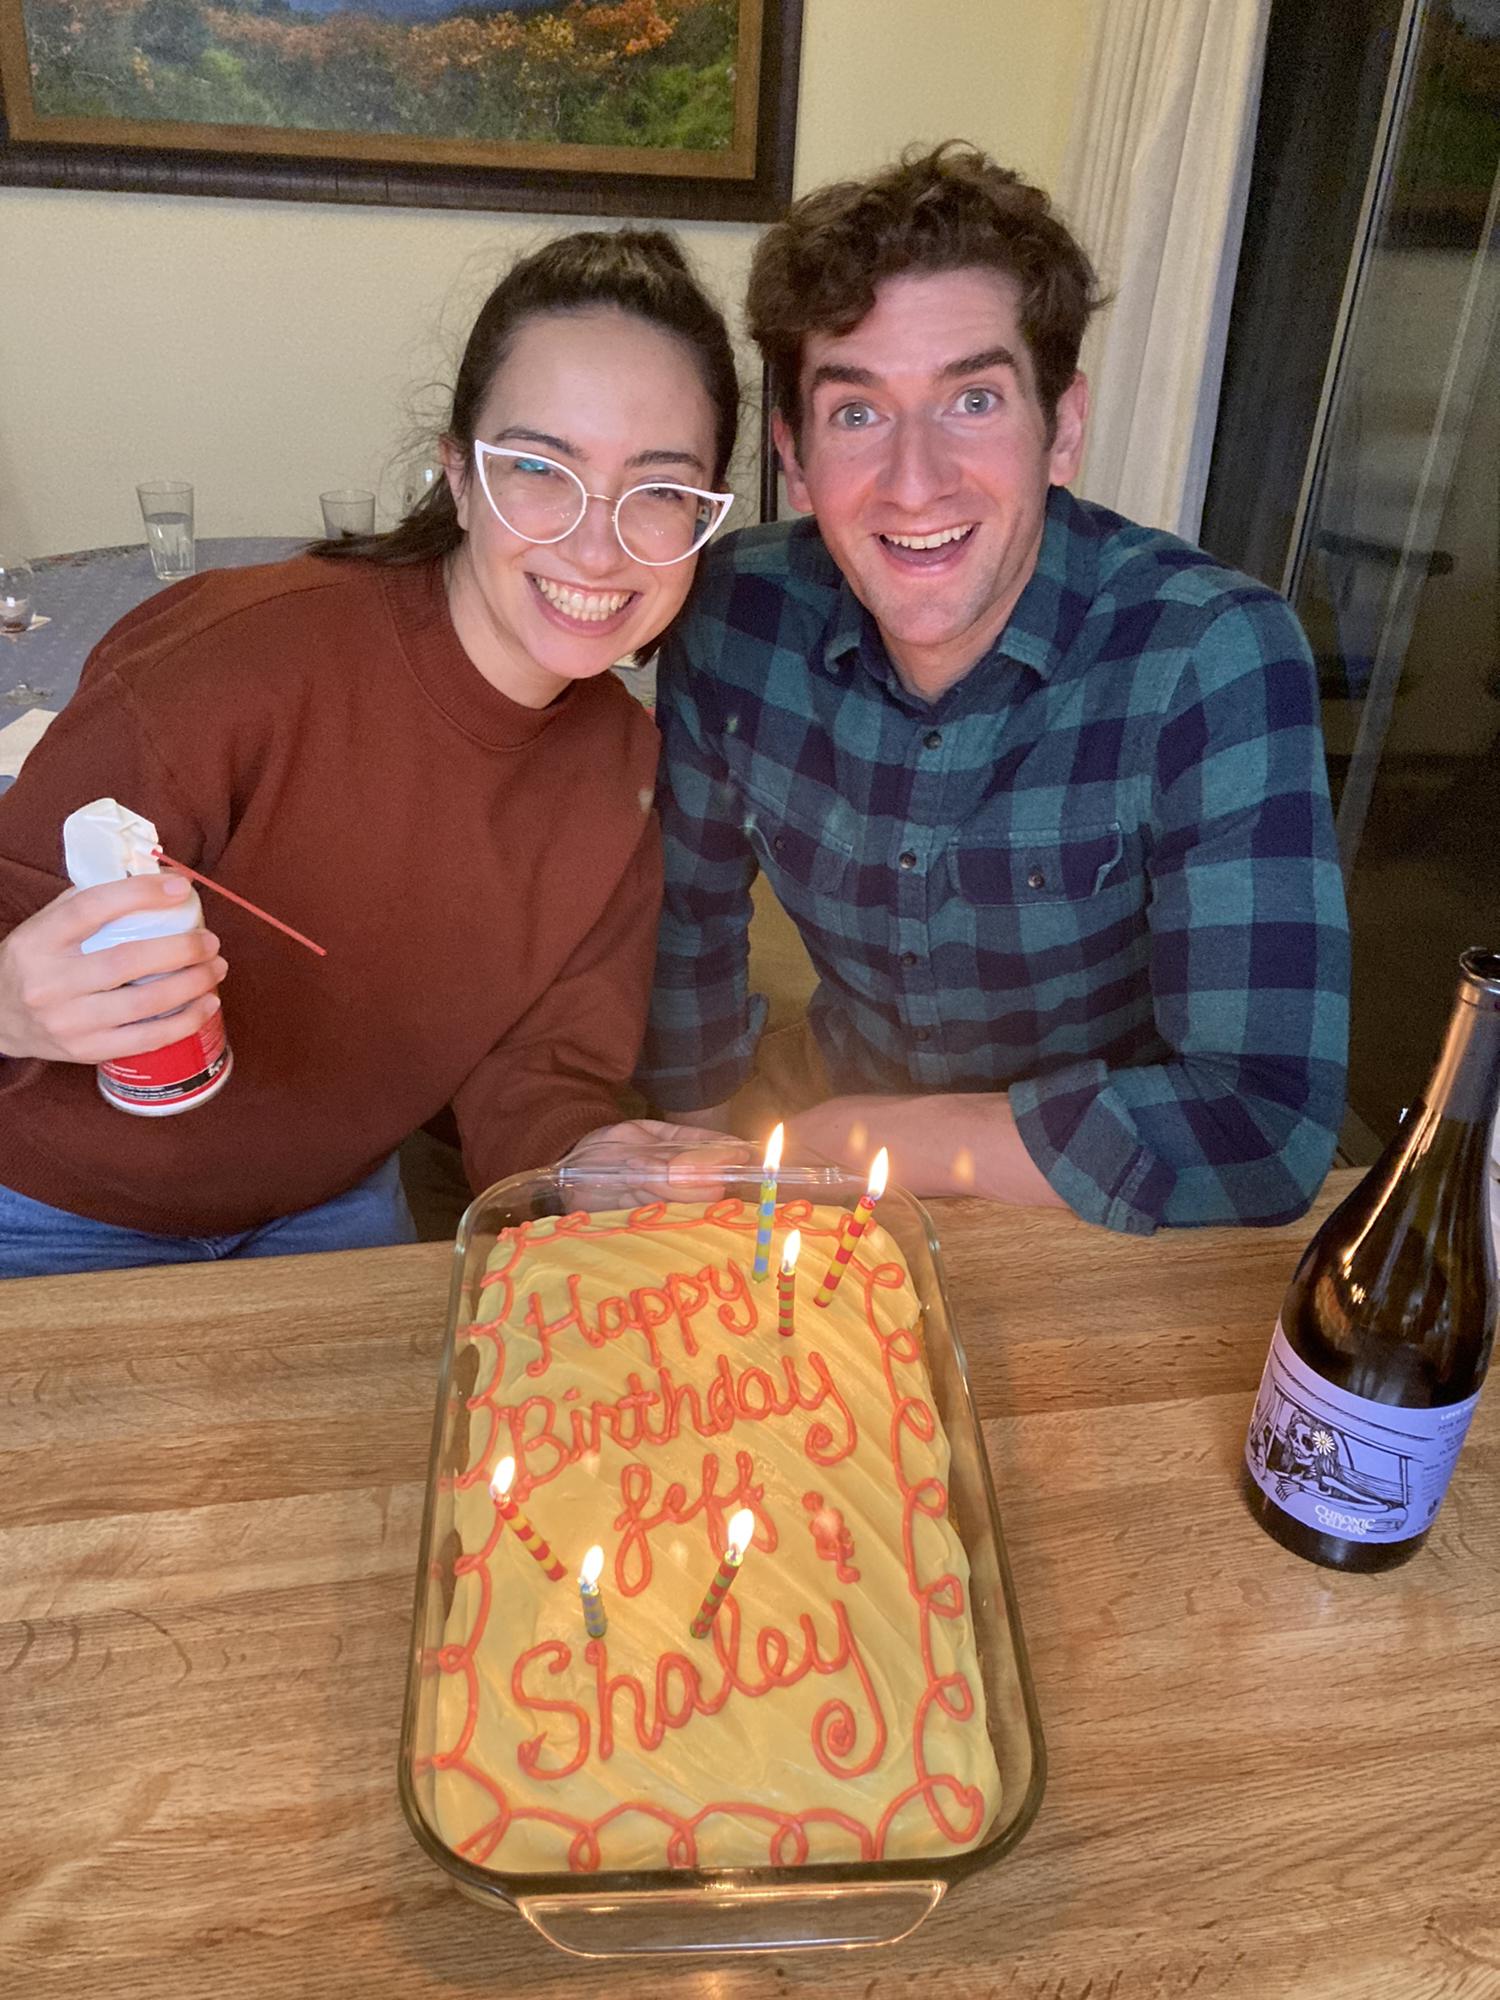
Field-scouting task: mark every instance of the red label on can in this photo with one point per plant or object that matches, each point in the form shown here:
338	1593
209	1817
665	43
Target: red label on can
174	1075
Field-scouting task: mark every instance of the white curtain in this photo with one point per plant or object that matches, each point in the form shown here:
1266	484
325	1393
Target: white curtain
1154	186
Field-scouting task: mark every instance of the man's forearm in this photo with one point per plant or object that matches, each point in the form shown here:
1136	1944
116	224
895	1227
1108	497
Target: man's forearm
964	1143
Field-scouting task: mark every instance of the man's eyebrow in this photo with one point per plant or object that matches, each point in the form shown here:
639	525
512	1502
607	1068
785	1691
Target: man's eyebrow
564	448
976	364
845	374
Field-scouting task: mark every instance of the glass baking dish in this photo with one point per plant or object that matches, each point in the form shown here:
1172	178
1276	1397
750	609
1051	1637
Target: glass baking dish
595	1911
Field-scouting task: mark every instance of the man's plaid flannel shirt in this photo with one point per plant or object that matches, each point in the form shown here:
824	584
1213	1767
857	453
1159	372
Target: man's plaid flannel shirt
1099	873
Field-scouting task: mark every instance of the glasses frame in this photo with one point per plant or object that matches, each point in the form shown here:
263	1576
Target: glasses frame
722	502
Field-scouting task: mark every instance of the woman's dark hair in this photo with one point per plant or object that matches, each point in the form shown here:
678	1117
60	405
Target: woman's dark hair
637	271
816	271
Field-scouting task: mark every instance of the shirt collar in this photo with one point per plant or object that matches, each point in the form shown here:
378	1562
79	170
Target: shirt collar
1038	632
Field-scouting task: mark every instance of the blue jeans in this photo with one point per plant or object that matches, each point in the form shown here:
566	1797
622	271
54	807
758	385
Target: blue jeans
41	1242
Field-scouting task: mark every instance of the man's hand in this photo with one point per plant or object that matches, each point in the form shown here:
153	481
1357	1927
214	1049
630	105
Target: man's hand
661	1161
63	1004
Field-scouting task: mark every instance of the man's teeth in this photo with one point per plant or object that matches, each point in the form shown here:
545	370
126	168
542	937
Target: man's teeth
928	541
587	604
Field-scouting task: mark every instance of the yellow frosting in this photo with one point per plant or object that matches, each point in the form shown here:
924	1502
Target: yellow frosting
835	1711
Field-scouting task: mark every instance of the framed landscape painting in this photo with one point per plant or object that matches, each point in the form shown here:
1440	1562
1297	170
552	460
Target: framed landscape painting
654	107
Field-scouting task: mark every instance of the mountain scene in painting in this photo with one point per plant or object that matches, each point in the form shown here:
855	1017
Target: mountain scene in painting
654	74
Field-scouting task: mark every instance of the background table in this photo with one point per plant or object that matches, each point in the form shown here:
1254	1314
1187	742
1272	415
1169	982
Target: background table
1267	1781
82	595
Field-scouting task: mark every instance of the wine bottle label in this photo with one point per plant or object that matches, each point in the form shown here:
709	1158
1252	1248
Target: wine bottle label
1369	1472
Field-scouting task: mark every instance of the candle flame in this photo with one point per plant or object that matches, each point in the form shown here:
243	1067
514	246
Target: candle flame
741	1528
591	1566
879	1174
790	1254
505	1472
773	1150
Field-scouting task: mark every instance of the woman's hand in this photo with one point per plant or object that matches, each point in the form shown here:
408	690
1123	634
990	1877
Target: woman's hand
63	1004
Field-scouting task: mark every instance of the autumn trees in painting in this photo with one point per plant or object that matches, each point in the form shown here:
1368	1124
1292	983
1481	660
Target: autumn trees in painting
650	74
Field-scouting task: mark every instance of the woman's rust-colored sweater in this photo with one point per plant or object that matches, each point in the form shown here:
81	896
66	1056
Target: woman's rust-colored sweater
485	879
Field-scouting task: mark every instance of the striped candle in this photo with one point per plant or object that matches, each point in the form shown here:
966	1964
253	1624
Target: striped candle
518	1524
767	1204
594	1621
854	1227
786	1286
741	1528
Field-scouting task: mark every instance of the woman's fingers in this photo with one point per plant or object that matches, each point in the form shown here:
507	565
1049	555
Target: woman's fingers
124	964
60	1003
138	1038
77	913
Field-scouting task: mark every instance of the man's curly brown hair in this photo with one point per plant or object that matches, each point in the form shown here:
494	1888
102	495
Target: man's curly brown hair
950	209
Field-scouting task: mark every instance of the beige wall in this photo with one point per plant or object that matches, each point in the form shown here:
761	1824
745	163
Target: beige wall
267	350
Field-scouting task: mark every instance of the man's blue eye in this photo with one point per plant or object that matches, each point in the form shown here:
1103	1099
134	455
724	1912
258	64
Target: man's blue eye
853	416
977	402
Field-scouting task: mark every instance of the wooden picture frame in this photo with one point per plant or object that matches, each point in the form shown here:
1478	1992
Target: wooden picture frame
80	114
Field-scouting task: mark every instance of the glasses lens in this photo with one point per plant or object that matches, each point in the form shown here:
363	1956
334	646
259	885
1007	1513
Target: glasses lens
661	524
536	498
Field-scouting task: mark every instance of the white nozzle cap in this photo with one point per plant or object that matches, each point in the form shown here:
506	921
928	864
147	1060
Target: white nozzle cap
105	842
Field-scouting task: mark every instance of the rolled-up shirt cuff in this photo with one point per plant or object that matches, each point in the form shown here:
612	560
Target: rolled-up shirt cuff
1087	1153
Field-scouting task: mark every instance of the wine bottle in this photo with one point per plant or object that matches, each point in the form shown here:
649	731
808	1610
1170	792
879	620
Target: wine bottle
1386	1329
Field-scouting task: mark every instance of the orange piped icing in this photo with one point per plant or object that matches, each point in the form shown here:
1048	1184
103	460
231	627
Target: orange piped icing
835	1711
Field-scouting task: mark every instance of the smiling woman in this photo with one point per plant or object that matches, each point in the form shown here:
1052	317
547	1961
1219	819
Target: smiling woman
410	745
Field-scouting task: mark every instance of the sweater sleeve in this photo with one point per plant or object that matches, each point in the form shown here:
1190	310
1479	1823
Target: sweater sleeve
554	1076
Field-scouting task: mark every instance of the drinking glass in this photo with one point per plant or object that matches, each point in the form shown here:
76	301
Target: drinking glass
15	595
167	510
348	510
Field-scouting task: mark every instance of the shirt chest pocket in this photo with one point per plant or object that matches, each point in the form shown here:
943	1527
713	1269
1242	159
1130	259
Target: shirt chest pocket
801	853
1016	870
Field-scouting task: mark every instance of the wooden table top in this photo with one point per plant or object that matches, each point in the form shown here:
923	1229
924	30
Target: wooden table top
1265	1779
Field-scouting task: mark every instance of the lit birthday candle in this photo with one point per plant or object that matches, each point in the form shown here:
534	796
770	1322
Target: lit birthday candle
786	1285
854	1227
767	1204
517	1522
741	1528
594	1621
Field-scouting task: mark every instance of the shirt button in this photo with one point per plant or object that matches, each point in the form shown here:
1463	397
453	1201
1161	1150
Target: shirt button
906	860
933	739
908	959
778	846
1036	879
924	1034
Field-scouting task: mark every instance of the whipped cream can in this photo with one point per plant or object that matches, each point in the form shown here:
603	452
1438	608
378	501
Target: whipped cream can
104	842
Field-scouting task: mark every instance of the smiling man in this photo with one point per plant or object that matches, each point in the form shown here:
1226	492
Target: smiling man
1042	790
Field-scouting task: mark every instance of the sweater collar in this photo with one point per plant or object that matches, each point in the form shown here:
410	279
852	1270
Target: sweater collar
418	604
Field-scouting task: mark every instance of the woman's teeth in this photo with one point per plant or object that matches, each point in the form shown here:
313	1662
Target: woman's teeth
937	541
593	606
